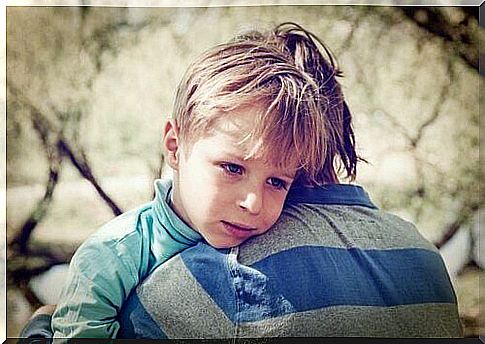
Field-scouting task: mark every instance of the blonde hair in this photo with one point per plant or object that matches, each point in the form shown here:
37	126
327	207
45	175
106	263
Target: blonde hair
306	121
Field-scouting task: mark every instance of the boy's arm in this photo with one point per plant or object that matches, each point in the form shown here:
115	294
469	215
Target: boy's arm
100	279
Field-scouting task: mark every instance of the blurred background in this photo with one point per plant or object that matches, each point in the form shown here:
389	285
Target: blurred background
88	90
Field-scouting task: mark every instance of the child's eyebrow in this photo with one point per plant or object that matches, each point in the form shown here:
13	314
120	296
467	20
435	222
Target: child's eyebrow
236	157
288	175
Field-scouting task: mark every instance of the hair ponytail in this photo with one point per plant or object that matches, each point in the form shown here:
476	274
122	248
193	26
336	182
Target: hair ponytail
312	58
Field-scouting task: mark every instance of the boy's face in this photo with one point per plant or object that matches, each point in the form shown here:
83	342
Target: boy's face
219	193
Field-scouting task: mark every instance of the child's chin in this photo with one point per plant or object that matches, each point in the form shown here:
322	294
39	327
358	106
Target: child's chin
222	245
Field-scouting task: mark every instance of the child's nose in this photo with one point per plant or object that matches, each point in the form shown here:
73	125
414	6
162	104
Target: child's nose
252	202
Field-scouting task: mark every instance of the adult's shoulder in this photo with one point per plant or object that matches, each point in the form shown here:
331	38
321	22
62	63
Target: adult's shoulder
340	217
347	211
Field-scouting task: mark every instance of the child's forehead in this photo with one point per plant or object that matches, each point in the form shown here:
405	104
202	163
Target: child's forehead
238	140
239	123
235	138
238	116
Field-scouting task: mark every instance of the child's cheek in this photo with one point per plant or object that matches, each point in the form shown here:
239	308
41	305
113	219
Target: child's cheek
274	207
221	190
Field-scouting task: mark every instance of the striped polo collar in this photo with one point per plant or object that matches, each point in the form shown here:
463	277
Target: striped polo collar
341	194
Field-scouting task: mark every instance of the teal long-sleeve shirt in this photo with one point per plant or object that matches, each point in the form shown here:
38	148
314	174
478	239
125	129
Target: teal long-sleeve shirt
113	261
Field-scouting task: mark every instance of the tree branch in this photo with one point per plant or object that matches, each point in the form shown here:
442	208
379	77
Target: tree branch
20	241
63	147
464	214
445	90
79	161
462	36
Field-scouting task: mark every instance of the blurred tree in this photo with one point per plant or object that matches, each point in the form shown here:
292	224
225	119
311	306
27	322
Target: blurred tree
458	27
50	75
459	30
74	80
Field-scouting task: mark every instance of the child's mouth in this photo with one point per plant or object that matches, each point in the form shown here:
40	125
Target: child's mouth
238	230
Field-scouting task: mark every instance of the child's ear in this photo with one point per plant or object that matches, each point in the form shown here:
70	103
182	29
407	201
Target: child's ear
171	144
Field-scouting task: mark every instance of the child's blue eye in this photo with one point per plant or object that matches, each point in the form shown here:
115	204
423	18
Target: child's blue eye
277	183
232	168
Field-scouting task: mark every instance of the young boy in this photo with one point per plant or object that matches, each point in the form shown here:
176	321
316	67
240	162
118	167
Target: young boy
251	118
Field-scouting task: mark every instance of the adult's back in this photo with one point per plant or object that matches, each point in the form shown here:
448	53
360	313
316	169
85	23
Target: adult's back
333	265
